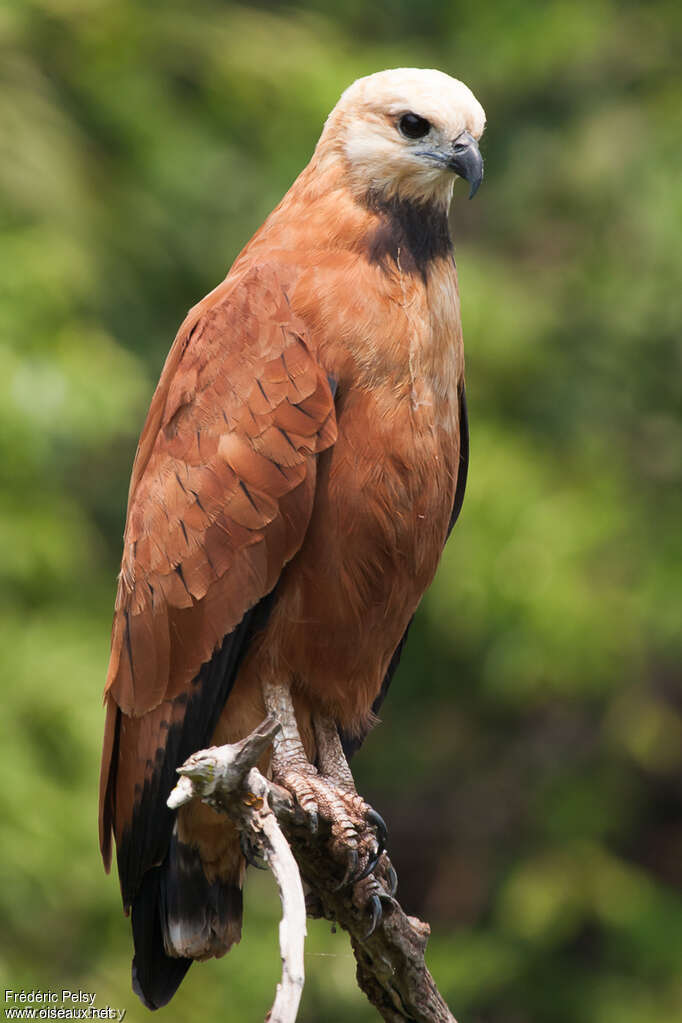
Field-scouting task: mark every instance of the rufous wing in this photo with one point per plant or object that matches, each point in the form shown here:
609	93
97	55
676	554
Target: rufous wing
220	498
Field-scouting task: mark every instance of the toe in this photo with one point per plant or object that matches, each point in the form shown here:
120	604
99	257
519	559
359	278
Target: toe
301	786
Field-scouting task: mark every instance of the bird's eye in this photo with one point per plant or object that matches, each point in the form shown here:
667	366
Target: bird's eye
412	126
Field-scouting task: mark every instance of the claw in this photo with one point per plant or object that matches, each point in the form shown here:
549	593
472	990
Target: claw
375	909
379	825
371	864
392	879
249	852
376	821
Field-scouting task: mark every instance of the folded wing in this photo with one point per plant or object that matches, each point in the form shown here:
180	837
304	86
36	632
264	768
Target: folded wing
220	499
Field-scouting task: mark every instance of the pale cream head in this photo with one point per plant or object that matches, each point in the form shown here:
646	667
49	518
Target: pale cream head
366	128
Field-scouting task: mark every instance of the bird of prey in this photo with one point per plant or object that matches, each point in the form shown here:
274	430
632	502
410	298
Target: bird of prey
300	468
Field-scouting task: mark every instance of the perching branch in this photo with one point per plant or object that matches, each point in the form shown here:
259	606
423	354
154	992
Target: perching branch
225	778
390	960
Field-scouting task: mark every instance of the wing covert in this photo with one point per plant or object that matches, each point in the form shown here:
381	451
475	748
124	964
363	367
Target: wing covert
246	409
220	498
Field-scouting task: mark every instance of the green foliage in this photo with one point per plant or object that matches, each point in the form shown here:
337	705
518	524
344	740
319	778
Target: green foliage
532	740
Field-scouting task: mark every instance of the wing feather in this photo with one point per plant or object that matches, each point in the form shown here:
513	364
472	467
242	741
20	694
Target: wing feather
220	498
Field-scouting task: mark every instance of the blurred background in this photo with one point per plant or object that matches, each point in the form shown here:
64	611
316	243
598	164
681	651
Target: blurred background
529	761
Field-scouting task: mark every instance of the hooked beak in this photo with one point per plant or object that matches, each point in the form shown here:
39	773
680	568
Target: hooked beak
466	161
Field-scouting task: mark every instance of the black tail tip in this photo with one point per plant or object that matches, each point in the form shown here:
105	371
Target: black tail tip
177	907
156	987
156	976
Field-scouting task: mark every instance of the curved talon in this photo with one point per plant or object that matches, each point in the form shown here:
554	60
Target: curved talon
375	909
371	864
379	825
392	879
249	852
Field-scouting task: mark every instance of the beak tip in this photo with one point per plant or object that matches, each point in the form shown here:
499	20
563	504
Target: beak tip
467	162
475	185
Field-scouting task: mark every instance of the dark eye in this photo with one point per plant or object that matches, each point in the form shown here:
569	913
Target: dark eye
413	126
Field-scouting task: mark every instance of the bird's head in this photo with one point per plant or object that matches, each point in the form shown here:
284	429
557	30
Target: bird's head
406	133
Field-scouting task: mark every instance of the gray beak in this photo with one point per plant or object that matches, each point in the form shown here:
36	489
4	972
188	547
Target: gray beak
466	161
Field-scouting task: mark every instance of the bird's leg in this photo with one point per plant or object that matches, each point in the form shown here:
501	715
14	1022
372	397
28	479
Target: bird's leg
289	763
352	810
287	747
331	791
291	768
330	755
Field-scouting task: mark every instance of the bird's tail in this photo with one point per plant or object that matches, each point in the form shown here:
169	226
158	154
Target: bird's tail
179	916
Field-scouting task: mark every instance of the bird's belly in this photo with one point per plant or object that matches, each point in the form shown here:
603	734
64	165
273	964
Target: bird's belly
381	515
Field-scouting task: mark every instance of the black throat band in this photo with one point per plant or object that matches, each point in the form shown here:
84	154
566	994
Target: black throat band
411	235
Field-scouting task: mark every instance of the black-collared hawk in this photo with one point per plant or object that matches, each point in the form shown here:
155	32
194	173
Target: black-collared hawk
301	466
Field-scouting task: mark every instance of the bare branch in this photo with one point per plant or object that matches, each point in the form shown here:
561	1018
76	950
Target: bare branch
292	928
388	945
225	778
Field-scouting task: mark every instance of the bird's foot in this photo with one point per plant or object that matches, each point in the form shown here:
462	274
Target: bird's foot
297	776
373	897
358	833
